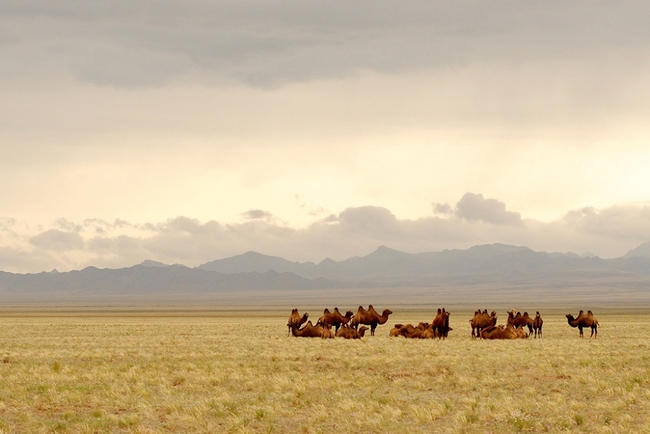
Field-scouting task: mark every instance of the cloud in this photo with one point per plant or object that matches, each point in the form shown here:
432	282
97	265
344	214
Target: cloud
257	214
268	43
54	239
474	207
355	231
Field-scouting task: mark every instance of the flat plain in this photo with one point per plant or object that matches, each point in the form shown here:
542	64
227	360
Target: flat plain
148	371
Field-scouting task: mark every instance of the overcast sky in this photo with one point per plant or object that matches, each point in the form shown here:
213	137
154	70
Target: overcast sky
190	131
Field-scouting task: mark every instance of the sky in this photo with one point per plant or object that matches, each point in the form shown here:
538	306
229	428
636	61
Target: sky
184	132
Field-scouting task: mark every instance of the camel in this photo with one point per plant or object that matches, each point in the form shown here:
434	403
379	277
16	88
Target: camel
312	331
499	332
370	317
521	333
296	319
537	325
440	324
396	330
482	320
348	332
335	318
582	321
520	320
423	330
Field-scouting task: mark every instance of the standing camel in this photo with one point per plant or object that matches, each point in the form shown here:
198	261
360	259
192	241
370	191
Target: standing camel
370	317
482	320
537	325
582	321
335	318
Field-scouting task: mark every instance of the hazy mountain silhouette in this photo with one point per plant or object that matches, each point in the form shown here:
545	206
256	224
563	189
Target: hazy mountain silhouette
498	265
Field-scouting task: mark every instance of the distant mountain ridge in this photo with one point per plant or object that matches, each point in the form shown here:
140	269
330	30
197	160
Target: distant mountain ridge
386	262
498	264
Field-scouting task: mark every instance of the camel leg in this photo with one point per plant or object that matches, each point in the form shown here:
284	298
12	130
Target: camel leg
373	326
581	333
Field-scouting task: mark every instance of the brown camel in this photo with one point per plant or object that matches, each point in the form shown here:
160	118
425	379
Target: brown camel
296	319
582	321
396	330
335	318
348	332
312	331
499	332
482	320
410	332
440	324
537	325
520	320
370	317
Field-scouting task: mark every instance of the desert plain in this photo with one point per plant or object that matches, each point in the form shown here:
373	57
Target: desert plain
136	370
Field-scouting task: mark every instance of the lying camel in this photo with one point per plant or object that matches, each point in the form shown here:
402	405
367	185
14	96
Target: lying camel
396	330
499	332
348	332
482	320
335	318
520	320
296	319
370	317
312	331
440	324
582	321
537	325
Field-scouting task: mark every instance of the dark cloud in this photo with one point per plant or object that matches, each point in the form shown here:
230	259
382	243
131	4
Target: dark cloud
474	207
269	43
257	214
442	209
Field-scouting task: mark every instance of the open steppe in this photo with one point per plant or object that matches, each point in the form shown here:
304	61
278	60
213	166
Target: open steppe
149	371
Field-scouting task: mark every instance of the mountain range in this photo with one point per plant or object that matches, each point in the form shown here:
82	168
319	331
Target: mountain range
490	266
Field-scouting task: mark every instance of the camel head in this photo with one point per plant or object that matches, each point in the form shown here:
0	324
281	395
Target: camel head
386	312
349	314
362	330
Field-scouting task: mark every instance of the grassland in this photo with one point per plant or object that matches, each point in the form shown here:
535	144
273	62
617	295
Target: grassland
160	372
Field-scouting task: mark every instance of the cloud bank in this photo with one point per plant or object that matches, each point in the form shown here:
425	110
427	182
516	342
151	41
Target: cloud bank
609	232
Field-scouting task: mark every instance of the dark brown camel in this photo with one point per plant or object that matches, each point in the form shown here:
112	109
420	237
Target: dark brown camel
538	322
582	321
520	320
482	320
370	317
440	324
335	318
296	319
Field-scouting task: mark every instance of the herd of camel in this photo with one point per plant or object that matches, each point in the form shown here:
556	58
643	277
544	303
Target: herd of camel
483	324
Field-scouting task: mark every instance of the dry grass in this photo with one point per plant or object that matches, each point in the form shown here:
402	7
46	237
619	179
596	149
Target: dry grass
157	373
